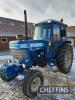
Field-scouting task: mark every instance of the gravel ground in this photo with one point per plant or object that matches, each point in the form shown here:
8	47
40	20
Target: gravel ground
13	90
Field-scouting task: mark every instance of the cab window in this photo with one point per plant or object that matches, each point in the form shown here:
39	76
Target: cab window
42	32
56	32
46	34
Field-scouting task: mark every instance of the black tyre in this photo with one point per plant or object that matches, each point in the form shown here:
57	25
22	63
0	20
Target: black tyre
31	83
64	58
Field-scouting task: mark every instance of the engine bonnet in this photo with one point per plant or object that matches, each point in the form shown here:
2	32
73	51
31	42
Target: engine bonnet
22	44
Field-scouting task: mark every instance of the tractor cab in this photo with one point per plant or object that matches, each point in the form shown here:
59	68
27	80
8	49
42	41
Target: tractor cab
50	30
53	32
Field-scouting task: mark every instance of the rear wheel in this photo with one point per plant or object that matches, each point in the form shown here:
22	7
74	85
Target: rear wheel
65	58
31	83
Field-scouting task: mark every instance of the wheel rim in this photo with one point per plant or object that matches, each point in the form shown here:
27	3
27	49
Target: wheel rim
68	59
35	84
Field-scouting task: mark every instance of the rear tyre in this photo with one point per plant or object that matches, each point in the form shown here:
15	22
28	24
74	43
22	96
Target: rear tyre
64	58
31	83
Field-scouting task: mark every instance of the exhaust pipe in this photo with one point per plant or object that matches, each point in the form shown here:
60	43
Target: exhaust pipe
20	37
25	23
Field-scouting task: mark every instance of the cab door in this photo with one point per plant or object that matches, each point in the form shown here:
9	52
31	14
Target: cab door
56	38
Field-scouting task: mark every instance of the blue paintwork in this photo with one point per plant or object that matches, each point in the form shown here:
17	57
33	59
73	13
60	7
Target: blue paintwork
34	48
10	71
26	44
31	47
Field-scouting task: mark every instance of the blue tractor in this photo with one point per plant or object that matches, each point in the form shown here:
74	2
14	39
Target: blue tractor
50	45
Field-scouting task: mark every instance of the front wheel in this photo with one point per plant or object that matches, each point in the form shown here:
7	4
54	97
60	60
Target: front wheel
31	83
64	58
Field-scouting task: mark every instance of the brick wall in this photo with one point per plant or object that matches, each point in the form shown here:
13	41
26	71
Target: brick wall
5	46
9	28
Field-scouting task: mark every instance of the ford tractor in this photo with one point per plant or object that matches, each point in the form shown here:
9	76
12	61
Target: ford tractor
49	46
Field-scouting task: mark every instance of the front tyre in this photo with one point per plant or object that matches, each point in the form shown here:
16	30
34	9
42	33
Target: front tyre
31	83
64	58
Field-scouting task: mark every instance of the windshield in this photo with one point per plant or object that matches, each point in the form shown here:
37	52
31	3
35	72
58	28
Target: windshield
42	32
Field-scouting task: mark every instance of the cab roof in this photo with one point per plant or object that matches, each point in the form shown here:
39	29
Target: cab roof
50	21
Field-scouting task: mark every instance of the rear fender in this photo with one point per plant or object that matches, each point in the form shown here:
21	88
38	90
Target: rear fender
64	43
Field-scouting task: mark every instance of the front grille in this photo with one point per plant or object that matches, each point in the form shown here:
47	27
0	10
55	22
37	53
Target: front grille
18	54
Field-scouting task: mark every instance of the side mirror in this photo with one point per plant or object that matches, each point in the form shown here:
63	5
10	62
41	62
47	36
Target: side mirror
63	33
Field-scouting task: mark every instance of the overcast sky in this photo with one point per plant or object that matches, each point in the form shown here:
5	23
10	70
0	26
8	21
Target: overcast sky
39	10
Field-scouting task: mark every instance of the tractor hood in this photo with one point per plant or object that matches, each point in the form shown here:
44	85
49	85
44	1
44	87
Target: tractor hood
22	44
